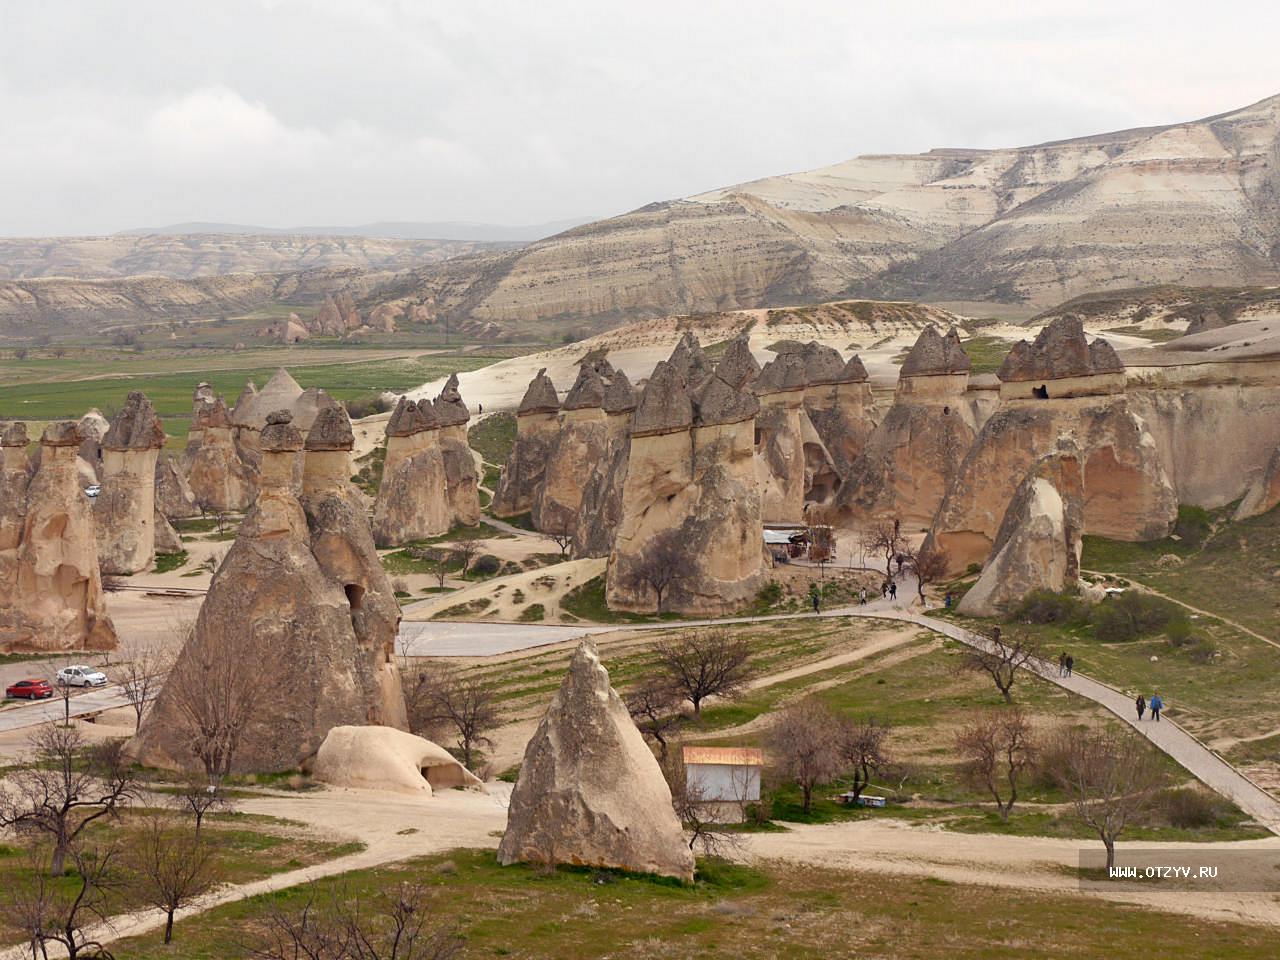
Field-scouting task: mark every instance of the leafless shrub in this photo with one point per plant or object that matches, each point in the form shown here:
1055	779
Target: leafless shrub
442	697
142	675
170	866
803	745
1002	656
50	908
997	748
663	561
654	705
701	664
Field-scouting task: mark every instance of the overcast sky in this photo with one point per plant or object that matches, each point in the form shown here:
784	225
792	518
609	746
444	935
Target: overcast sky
125	113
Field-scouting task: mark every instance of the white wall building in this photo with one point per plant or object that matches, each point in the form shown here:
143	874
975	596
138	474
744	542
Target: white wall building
723	774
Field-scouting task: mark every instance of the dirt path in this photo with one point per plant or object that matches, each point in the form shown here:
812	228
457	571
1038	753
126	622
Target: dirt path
1041	864
393	827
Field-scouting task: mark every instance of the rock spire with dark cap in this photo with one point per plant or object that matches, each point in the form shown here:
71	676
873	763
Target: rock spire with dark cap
280	435
1059	350
13	434
331	429
737	367
450	410
935	354
822	364
587	392
716	402
664	405
135	427
783	373
411	417
854	371
689	360
541	397
619	395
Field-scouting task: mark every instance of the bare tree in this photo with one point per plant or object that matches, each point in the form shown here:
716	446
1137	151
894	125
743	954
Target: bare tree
886	540
219	690
49	908
997	748
142	675
1002	655
562	538
460	703
803	745
707	822
701	664
437	562
66	785
654	705
466	544
663	561
199	798
929	564
1112	777
862	751
400	930
170	866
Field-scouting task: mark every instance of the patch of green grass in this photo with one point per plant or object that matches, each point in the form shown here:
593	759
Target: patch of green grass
987	353
470	608
534	613
770	911
493	437
368	475
1157	335
168	562
587	602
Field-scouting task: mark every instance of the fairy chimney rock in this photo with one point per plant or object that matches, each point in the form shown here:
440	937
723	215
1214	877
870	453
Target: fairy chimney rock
1060	363
664	405
124	511
540	397
619	395
737	366
590	791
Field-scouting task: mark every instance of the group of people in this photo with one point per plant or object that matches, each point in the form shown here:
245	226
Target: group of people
1066	663
1155	705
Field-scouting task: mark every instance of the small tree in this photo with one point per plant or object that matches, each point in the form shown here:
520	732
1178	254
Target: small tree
49	908
886	540
219	690
803	745
654	705
437	563
198	797
66	785
142	675
996	747
705	664
1001	655
862	750
400	929
562	538
170	867
1112	777
663	561
929	564
466	545
445	698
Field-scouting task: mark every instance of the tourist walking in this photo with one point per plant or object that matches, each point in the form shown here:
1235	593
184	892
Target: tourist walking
816	598
1062	664
1071	662
884	589
1156	705
1141	704
862	597
893	590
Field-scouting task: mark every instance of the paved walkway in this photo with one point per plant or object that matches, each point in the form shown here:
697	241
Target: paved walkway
42	711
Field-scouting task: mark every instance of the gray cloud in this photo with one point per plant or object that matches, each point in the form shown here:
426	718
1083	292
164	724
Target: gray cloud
121	113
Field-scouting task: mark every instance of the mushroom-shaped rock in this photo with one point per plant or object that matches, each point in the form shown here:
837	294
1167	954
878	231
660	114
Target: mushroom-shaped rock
716	402
822	364
737	366
135	427
450	409
590	791
13	434
854	371
664	405
934	354
689	360
587	392
412	417
783	374
1061	352
331	429
541	397
619	395
387	759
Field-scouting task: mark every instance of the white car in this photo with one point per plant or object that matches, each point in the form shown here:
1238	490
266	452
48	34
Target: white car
92	490
81	676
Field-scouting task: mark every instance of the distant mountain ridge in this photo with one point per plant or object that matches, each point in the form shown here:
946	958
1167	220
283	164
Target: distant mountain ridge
1191	203
387	230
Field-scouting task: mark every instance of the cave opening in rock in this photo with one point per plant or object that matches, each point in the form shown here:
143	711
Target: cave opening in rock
1041	392
355	595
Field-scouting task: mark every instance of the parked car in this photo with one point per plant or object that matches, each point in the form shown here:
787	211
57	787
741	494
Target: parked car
92	490
29	690
81	676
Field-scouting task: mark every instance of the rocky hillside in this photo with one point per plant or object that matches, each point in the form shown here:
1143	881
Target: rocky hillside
1193	203
185	256
1192	309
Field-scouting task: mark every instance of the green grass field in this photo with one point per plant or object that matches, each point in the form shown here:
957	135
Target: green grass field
771	911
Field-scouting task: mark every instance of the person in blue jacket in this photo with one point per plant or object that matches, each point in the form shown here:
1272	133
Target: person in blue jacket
1155	704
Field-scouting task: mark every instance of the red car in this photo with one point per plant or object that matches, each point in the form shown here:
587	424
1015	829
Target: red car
30	689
